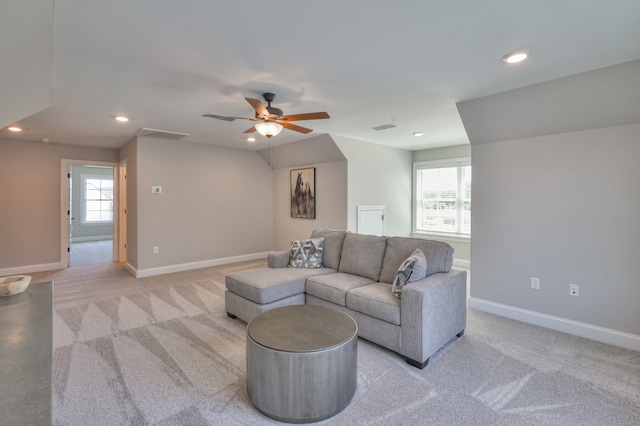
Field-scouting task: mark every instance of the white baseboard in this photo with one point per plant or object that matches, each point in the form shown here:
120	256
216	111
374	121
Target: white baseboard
94	238
593	332
21	270
150	272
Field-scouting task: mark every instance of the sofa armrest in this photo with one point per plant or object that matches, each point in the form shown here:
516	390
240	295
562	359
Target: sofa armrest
278	259
432	312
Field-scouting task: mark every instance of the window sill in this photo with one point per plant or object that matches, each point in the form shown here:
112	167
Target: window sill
442	235
109	222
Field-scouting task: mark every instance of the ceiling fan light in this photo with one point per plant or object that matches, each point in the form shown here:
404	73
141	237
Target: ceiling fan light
269	128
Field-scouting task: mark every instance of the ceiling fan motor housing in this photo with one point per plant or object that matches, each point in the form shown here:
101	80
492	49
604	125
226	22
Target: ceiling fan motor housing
270	97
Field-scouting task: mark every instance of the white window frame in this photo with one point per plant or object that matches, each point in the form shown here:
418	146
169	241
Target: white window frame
83	199
438	164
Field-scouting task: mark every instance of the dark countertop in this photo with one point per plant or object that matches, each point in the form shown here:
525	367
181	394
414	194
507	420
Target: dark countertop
26	356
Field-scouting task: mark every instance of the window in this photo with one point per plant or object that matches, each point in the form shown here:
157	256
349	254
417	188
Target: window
97	204
443	197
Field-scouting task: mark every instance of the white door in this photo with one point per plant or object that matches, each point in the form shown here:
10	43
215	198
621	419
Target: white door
371	220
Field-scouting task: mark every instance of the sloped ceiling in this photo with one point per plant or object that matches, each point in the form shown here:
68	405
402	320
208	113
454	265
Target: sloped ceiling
601	98
26	43
164	64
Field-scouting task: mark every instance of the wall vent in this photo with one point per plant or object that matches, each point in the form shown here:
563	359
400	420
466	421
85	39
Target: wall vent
384	127
154	133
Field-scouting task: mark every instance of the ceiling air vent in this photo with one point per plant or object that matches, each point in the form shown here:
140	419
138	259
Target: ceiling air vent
384	127
154	133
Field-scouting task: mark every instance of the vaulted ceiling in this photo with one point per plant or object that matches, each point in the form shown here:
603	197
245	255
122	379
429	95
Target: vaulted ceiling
70	66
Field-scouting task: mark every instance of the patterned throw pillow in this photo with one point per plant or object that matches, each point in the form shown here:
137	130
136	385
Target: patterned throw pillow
306	253
402	276
420	268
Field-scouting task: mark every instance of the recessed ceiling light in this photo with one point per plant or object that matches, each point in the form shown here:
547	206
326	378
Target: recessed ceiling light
122	118
15	129
251	139
515	57
418	133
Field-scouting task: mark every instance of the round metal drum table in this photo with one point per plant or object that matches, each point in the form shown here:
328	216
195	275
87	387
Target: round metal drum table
301	362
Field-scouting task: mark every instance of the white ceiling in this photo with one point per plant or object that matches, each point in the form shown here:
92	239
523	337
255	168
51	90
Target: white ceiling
367	63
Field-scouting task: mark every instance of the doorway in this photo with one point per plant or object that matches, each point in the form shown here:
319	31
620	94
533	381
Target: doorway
92	227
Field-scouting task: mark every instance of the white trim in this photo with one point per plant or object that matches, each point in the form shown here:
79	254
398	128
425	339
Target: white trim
29	269
461	238
169	269
382	209
65	234
453	162
593	332
83	198
462	264
133	271
433	164
93	238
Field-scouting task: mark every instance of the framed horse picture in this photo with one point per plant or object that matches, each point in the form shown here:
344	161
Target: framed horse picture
303	193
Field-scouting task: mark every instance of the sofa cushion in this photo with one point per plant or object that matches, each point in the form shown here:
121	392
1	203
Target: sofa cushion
362	255
266	285
439	255
419	267
306	253
405	271
332	246
375	300
334	287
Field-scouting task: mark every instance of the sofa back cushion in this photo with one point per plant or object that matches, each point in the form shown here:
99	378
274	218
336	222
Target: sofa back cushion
362	255
332	246
439	255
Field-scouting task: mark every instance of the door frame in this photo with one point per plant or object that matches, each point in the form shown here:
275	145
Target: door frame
65	212
120	213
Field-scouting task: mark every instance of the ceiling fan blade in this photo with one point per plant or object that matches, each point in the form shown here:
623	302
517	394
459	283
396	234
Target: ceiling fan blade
308	116
296	128
251	130
227	118
261	110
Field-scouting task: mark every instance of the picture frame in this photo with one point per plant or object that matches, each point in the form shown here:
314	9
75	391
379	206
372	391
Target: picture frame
303	193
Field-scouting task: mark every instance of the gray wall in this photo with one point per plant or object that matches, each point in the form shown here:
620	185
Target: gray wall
378	175
215	203
31	201
87	232
555	196
563	208
331	203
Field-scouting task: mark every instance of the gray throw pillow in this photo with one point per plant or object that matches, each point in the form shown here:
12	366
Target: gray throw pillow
420	268
306	253
402	276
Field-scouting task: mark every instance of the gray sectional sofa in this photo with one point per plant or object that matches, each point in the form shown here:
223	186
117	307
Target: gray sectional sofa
356	278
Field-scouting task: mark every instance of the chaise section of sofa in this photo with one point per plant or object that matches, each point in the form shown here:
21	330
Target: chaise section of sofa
357	279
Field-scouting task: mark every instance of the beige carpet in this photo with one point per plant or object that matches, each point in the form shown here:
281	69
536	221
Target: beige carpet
163	352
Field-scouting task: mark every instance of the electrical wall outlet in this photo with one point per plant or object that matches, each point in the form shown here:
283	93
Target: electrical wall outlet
574	290
156	250
535	283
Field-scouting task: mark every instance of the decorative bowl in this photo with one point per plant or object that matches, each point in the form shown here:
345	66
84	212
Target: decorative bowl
14	285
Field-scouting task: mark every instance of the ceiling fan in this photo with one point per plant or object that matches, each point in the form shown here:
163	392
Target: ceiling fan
272	120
